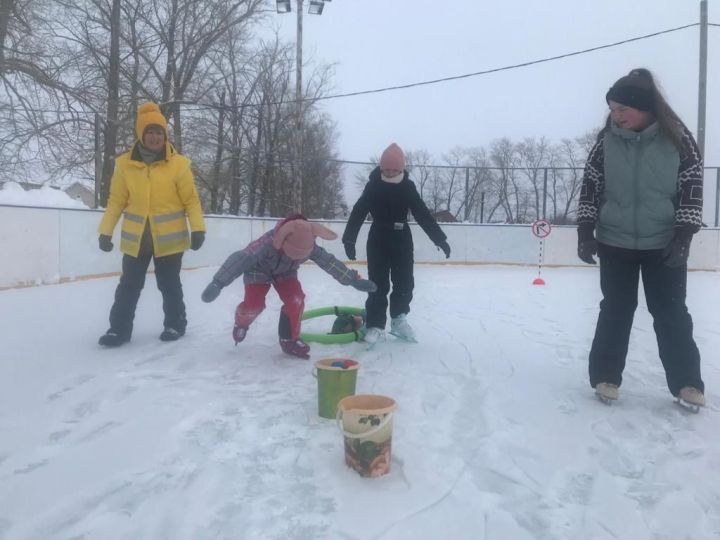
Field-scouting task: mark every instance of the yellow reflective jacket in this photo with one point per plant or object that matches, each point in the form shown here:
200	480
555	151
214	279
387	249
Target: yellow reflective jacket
162	194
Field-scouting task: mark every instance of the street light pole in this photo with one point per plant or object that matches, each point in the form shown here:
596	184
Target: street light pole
299	161
315	8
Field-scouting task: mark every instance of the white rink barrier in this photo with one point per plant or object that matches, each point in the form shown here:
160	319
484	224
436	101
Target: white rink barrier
51	245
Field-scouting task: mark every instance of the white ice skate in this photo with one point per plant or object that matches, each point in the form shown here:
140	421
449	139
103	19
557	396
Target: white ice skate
691	399
372	336
400	328
607	392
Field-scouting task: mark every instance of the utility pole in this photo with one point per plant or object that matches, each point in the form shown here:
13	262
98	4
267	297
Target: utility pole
702	79
467	194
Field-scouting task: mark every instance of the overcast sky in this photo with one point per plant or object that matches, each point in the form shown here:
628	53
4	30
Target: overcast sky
377	43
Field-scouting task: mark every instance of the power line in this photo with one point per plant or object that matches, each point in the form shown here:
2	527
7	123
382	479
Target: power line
199	106
465	75
507	68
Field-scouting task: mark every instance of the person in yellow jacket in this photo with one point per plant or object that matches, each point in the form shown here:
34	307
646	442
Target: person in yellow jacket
154	190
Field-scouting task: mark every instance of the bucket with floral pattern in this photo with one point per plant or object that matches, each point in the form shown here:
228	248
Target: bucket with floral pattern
366	423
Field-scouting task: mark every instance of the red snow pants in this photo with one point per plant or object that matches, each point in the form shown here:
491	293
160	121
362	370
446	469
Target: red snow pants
292	296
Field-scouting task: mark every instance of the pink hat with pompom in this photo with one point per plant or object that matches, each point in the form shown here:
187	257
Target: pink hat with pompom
296	238
392	158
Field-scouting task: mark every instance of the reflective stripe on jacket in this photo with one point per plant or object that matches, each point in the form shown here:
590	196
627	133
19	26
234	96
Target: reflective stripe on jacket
162	194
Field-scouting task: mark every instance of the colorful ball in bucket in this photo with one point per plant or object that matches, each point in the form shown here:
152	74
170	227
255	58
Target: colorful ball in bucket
344	364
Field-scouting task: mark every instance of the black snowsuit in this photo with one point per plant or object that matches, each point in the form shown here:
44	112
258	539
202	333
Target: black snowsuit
390	244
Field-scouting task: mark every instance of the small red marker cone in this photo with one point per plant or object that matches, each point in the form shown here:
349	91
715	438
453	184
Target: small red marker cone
539	281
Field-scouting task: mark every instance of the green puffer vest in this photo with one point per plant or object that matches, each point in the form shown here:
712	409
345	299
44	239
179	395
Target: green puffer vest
637	206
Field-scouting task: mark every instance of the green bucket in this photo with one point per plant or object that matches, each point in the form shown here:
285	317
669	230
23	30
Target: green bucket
334	383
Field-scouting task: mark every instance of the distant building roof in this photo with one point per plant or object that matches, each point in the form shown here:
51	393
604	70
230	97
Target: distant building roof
444	216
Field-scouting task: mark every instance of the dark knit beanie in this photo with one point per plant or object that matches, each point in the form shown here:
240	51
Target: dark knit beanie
632	92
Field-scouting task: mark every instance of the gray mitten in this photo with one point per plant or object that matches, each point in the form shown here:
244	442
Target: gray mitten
211	292
364	285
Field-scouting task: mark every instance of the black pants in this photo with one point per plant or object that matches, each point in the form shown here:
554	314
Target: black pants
390	256
132	281
665	290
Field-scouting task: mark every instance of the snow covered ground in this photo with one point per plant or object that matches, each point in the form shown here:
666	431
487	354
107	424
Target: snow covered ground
497	434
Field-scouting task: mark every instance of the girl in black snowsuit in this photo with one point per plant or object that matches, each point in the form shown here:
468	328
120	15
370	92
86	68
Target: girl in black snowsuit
388	196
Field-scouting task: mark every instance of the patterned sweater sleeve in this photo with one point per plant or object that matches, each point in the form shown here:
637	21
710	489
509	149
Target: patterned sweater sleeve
333	266
688	210
243	261
593	185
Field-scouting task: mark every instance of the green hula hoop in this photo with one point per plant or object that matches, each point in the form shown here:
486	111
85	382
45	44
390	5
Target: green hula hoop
329	339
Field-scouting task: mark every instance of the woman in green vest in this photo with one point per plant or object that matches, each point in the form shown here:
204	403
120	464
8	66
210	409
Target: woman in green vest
640	205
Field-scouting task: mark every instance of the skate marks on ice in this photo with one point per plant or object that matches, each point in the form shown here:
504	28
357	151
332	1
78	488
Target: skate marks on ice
497	436
69	418
619	478
659	457
231	469
72	385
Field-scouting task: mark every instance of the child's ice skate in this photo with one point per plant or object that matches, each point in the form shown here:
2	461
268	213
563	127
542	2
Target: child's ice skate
400	328
372	336
295	347
239	333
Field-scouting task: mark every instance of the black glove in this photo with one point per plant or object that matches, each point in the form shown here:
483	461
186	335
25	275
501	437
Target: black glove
587	245
105	242
364	285
445	247
350	250
196	239
211	292
676	253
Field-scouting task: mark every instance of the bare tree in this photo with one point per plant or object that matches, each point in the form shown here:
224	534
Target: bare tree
454	178
533	156
37	108
322	185
188	30
418	163
480	180
504	157
113	102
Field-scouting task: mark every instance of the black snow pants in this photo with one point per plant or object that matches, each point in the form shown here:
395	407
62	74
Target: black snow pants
665	290
132	281
390	257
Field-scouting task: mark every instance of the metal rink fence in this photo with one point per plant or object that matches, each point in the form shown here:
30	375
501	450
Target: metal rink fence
504	194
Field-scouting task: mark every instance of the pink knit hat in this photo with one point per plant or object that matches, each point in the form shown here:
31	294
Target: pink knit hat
392	158
296	238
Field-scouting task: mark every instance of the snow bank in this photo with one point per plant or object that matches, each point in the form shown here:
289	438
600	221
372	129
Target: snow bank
13	194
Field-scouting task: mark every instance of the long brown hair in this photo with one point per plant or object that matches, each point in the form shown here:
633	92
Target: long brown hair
668	121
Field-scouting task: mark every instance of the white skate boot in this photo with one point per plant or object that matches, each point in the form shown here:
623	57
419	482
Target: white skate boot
607	392
399	327
372	336
691	399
